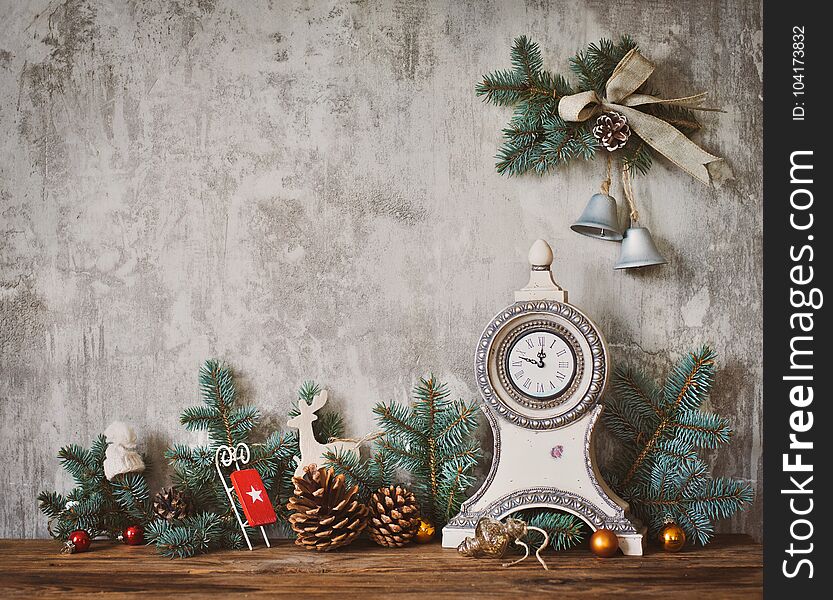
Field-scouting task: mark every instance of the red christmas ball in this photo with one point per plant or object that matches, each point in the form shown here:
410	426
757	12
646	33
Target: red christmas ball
133	535
78	541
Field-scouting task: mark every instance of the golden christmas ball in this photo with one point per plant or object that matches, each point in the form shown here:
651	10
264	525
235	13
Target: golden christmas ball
604	543
425	533
672	537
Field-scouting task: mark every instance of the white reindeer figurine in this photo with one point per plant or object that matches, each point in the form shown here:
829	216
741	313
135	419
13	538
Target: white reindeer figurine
312	453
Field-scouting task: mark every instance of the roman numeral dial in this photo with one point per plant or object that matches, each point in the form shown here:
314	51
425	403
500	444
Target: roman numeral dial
540	364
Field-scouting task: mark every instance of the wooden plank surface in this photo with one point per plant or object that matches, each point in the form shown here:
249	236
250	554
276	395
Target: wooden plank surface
731	567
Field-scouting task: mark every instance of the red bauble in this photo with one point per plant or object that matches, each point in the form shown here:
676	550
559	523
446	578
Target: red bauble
133	535
78	541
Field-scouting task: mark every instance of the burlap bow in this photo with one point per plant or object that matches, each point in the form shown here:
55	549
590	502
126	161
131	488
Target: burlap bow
631	72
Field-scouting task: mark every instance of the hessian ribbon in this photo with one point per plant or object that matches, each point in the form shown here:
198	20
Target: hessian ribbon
631	72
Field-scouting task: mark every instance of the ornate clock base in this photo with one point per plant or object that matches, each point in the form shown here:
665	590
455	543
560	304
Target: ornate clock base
631	544
462	526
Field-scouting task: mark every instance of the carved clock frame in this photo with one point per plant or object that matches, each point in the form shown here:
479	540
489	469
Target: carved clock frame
543	453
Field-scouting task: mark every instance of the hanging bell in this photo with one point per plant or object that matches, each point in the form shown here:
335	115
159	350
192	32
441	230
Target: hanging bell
599	219
638	250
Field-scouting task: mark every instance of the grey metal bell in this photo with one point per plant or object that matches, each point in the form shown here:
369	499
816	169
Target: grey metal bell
599	219
638	250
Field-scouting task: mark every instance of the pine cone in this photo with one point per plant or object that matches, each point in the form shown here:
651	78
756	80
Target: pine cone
172	504
612	130
327	514
394	516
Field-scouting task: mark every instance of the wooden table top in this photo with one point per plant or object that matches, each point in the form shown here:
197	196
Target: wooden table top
730	567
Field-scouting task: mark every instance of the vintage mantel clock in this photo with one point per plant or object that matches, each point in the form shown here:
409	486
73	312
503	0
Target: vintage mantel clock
541	366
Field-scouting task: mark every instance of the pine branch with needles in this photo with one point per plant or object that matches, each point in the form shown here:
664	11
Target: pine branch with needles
661	429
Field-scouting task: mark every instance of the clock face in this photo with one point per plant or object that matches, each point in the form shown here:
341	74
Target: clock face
541	364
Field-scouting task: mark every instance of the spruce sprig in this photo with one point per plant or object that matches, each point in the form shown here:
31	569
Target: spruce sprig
658	469
565	530
213	524
96	504
432	441
536	139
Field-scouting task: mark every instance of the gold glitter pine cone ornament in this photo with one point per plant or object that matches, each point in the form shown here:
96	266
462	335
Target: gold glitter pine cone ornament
326	513
612	130
394	516
172	504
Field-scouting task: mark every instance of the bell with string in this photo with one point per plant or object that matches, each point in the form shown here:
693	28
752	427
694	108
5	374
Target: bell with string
638	249
599	219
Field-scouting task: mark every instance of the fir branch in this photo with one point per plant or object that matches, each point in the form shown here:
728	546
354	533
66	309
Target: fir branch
454	478
51	504
96	505
457	424
395	417
705	430
526	58
432	441
565	530
133	495
308	391
516	158
404	457
595	65
217	387
227	423
329	426
503	88
722	497
685	389
528	145
689	382
78	462
198	418
525	82
356	472
464	451
658	470
275	454
636	156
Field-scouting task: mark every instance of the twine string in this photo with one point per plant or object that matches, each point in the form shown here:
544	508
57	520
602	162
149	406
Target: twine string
526	549
605	187
628	189
359	441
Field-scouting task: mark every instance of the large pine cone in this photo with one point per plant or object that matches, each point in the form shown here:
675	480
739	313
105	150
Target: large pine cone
172	504
612	130
327	514
394	516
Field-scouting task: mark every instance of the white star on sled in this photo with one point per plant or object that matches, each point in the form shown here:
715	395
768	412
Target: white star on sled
255	494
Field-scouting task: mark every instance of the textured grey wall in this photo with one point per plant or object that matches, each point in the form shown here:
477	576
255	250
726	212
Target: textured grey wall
306	190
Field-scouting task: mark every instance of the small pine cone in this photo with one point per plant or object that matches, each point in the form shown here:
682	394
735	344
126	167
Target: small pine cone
612	130
394	516
326	513
172	504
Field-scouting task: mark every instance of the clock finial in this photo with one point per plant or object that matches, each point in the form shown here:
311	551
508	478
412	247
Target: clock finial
540	255
541	285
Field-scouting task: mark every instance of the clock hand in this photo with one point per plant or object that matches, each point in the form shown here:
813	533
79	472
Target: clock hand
534	362
541	356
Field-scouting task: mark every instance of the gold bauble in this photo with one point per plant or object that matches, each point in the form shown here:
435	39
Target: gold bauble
604	543
425	533
672	537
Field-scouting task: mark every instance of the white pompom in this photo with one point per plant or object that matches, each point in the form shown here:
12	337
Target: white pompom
121	456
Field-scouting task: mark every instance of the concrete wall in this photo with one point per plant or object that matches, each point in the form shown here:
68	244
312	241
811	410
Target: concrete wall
307	190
